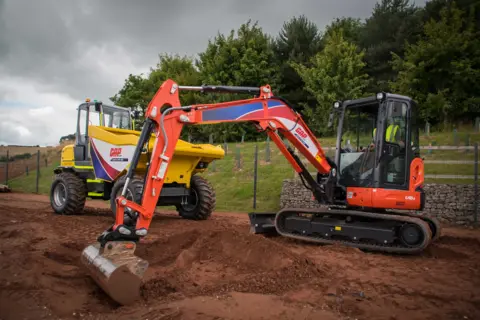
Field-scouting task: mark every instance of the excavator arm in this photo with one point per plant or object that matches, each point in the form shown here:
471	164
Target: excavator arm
111	261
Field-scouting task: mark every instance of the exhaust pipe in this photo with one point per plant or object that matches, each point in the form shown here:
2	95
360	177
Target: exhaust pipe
116	269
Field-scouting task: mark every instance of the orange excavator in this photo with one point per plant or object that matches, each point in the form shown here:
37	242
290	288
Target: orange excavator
367	194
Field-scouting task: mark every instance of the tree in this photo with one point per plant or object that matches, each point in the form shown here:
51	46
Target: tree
351	27
138	90
471	8
337	73
243	58
297	41
135	92
393	22
442	71
68	137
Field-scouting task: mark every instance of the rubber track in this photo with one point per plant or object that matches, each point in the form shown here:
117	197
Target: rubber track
431	220
76	190
207	200
382	248
434	221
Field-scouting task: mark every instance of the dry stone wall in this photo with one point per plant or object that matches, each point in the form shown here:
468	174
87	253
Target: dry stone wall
450	203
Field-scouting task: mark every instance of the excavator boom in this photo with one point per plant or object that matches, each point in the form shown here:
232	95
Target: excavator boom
165	118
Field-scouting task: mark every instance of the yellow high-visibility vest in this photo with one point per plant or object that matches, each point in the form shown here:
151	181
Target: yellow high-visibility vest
391	133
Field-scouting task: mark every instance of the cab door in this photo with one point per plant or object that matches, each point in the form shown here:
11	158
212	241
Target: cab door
396	147
399	148
87	115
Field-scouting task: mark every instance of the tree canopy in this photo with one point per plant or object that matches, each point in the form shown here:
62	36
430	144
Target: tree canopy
430	53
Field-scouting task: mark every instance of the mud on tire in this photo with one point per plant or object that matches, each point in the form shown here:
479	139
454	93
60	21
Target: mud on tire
68	194
201	202
134	193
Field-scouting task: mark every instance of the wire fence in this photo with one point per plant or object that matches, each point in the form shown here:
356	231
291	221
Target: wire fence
27	170
251	174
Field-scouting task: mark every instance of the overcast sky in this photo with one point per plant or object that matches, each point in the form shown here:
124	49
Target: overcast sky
54	54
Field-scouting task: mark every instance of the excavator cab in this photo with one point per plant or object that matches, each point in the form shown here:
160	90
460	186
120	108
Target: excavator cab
377	141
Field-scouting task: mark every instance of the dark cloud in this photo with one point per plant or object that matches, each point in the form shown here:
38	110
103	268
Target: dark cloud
68	46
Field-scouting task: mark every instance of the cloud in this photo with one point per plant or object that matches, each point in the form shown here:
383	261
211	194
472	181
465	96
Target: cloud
41	117
56	53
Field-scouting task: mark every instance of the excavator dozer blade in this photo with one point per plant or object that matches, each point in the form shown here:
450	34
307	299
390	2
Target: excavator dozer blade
262	223
116	269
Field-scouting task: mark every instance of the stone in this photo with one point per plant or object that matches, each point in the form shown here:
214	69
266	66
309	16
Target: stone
450	203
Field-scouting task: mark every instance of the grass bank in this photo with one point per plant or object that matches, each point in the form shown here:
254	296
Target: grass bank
233	176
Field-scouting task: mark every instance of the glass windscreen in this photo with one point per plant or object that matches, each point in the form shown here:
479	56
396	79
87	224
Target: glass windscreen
395	143
357	155
117	118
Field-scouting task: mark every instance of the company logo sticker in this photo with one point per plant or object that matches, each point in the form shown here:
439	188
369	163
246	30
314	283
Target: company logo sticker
116	155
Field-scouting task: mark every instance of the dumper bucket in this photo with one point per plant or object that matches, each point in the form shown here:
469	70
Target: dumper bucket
116	269
262	223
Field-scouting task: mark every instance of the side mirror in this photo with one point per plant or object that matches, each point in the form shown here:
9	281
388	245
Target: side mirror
136	114
97	106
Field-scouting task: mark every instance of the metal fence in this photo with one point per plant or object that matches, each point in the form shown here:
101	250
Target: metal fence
443	164
13	170
251	174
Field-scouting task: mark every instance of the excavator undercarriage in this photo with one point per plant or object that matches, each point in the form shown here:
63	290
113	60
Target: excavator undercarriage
366	194
385	232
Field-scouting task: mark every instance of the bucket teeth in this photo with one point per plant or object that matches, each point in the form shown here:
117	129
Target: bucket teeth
116	269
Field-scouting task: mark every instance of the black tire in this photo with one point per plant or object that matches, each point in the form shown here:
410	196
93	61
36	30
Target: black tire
134	193
68	194
202	200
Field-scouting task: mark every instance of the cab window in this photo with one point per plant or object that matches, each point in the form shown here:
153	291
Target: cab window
121	120
396	122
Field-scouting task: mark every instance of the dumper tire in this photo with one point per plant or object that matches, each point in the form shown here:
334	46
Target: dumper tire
135	190
205	197
68	193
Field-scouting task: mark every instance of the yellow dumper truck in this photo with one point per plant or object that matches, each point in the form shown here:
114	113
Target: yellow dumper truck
95	166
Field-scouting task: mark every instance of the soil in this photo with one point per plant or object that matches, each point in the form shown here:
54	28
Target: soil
216	269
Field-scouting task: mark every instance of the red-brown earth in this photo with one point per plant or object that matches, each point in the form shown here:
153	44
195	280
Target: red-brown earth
216	269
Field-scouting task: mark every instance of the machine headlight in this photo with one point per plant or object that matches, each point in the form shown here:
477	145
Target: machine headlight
336	105
380	96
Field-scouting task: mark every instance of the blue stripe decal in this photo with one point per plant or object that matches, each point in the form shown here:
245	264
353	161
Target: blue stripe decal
97	166
232	113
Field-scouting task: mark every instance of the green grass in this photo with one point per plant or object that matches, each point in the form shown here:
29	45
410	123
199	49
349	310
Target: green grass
27	183
234	187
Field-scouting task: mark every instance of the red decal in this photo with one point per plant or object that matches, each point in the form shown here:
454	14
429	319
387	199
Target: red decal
301	133
115	152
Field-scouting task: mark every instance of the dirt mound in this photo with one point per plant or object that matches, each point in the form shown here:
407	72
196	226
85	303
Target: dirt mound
215	262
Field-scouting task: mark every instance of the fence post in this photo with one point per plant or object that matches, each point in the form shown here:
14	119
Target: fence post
210	138
267	150
6	169
255	165
455	137
427	129
238	157
225	147
26	170
243	138
467	142
38	171
475	217
477	124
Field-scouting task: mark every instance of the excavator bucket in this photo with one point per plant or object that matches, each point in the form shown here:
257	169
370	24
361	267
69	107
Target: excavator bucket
116	269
